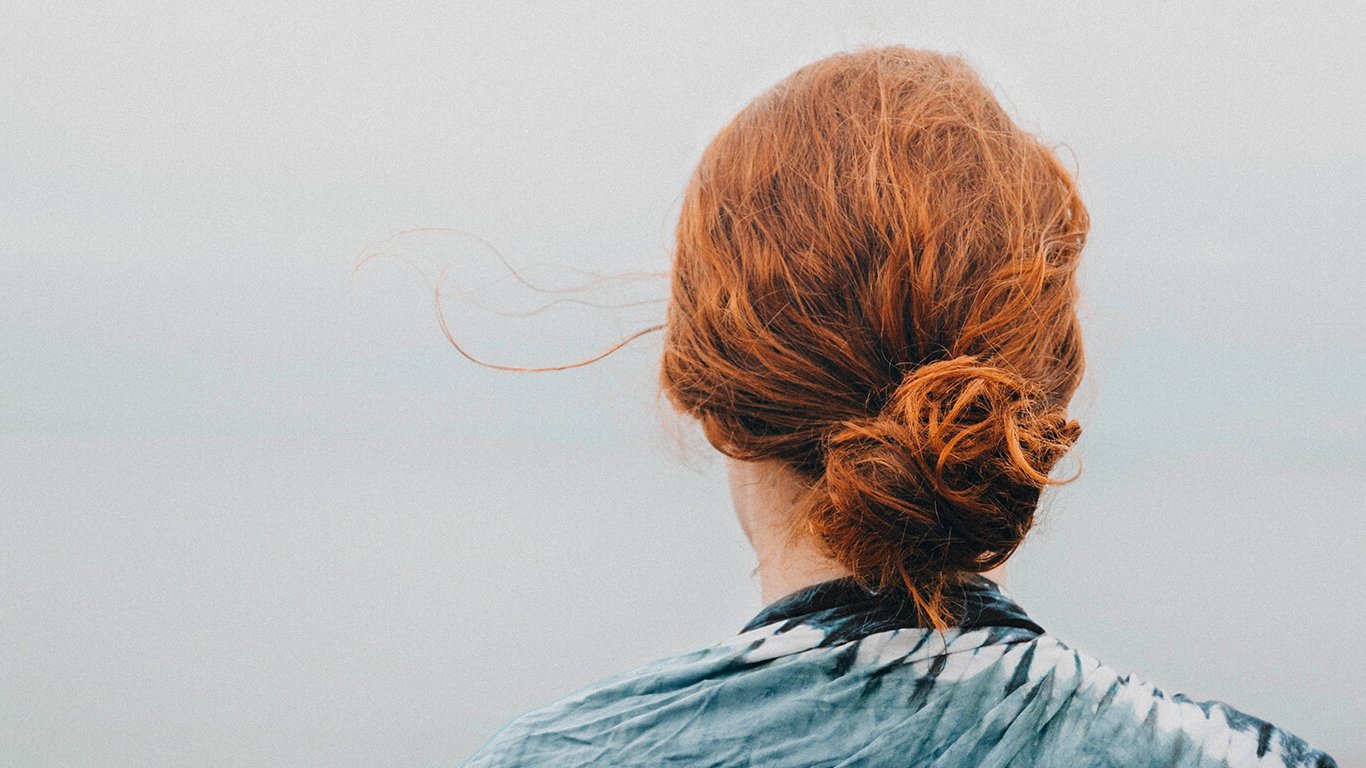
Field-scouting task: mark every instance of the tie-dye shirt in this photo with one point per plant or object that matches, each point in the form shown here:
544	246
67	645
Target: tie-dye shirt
834	675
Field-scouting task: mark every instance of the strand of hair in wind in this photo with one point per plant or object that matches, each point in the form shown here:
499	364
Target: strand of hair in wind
369	252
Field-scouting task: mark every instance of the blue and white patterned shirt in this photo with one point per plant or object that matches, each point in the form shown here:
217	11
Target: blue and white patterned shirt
834	675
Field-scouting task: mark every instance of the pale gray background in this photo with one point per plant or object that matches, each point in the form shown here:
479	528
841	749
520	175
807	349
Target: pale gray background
255	511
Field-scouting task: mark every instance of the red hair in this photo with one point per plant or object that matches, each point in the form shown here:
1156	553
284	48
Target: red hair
874	284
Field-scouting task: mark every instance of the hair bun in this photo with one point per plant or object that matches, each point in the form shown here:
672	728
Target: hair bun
945	480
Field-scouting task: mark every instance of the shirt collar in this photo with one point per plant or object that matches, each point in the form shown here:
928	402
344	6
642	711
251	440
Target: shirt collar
846	611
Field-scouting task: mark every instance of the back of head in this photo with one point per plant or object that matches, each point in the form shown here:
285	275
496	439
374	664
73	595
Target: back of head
874	284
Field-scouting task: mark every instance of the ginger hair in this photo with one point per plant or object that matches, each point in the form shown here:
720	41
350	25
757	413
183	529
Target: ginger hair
874	284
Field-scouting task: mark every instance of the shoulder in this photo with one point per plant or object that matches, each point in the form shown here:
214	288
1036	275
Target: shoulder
1135	722
612	717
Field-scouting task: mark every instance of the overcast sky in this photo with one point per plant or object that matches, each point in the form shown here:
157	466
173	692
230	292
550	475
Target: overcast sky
212	424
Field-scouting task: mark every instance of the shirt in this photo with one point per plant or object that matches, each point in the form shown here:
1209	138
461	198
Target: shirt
836	675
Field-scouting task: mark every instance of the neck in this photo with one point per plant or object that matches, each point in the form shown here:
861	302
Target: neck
766	496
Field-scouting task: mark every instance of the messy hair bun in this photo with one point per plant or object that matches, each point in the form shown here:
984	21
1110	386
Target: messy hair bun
874	284
944	480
